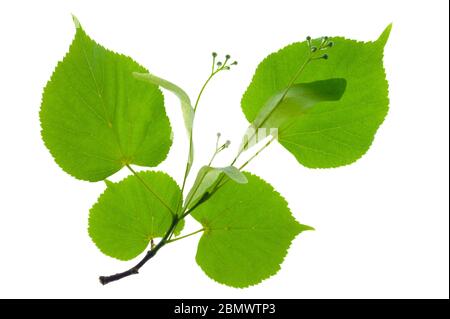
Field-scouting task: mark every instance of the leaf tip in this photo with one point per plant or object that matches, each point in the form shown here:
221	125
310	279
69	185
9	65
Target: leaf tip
383	38
76	22
108	182
306	228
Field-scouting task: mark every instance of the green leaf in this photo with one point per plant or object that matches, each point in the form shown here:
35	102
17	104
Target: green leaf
96	117
186	106
248	230
207	179
330	133
127	216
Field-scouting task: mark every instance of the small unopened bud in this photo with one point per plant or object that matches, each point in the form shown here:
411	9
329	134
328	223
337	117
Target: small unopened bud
325	56
313	49
227	56
226	68
219	135
308	38
214	54
330	44
234	63
227	143
219	63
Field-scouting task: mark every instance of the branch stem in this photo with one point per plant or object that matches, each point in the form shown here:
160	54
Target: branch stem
150	254
257	153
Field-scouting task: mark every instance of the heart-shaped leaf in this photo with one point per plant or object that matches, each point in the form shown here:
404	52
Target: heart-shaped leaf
248	230
96	117
127	216
329	133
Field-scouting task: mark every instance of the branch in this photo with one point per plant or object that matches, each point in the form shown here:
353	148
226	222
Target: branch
150	254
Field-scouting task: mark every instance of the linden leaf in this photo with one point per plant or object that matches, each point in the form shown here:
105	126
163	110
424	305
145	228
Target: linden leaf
127	216
331	133
96	117
248	230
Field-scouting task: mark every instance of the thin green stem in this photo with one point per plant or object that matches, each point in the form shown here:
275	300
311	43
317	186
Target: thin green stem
220	184
202	90
185	236
212	158
147	187
191	140
213	63
257	153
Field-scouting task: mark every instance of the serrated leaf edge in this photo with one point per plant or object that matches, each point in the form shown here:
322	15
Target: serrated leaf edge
300	228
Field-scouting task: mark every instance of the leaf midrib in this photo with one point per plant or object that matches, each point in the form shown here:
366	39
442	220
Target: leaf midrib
100	95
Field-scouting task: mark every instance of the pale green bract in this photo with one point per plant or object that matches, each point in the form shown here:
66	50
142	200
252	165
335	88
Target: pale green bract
288	106
233	173
207	178
186	106
96	117
299	98
330	133
127	216
248	230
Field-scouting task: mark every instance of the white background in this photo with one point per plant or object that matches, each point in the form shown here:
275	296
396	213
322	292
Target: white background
382	223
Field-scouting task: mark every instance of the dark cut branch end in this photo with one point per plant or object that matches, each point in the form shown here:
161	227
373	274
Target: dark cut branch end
107	279
149	255
103	280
